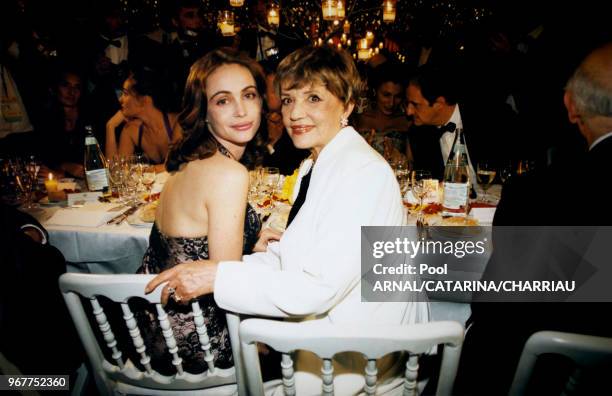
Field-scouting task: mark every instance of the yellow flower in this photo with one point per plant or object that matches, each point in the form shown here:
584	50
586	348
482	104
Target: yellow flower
288	185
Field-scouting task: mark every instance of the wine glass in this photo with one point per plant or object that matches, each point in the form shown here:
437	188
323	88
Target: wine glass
148	180
403	176
485	172
255	180
420	189
271	180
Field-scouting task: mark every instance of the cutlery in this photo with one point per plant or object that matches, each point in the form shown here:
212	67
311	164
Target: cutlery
120	218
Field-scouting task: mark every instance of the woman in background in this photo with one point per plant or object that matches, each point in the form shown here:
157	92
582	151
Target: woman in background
62	130
148	127
384	123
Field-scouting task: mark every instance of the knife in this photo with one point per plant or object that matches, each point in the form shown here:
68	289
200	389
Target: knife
119	218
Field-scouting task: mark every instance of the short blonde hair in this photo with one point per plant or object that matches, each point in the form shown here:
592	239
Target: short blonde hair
333	68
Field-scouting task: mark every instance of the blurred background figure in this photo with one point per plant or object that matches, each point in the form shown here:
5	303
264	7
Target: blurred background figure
148	128
280	151
384	124
61	131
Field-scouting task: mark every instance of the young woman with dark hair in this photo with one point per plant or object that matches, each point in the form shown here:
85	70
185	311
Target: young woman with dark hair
148	128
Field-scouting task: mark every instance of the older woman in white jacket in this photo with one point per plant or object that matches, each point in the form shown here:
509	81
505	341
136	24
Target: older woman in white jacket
313	271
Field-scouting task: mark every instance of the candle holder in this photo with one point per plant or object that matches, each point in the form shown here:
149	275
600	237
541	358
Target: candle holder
363	49
346	28
329	9
389	10
273	16
236	3
225	22
340	10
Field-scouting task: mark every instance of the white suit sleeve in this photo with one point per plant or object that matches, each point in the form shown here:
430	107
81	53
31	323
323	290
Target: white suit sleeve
368	196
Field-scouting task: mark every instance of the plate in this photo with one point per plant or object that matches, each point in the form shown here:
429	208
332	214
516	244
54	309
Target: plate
135	220
44	201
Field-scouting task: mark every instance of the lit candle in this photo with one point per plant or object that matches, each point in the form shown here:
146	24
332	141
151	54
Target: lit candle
51	183
369	37
346	27
363	43
236	3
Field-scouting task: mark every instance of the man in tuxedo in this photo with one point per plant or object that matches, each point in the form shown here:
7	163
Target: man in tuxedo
432	98
190	42
498	331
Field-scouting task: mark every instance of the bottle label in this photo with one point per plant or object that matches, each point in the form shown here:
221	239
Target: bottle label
97	179
89	140
455	199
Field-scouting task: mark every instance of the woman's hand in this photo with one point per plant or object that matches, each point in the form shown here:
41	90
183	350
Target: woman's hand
186	281
265	237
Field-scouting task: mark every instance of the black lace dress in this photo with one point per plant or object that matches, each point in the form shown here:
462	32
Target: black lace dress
165	252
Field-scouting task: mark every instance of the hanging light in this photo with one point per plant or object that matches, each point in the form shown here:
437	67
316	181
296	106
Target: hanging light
341	11
236	3
225	22
273	16
363	49
389	10
329	9
346	28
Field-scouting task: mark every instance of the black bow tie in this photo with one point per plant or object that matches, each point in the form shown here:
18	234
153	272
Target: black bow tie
450	127
116	43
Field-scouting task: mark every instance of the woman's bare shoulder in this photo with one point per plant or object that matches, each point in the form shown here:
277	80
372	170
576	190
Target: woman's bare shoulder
219	167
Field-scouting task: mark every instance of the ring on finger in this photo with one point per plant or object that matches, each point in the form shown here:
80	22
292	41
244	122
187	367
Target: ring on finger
171	290
177	298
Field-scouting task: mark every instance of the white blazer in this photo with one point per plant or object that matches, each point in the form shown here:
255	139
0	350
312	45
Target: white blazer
315	269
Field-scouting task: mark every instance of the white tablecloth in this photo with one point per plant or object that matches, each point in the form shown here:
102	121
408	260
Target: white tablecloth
108	249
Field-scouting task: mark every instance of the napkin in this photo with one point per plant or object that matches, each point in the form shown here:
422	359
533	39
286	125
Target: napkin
91	215
483	215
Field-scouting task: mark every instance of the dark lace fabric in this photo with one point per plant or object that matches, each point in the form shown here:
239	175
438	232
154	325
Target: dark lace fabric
165	252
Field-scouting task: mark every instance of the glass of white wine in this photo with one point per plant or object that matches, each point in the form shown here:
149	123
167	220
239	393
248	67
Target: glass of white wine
420	189
485	172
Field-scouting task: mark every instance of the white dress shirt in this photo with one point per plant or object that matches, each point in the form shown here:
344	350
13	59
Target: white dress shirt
447	139
599	140
117	54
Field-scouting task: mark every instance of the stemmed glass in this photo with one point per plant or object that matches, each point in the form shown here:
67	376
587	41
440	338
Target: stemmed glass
26	178
255	180
271	180
148	180
485	173
420	189
403	176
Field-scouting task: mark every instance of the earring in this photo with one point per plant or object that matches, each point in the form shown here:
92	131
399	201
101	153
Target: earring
343	121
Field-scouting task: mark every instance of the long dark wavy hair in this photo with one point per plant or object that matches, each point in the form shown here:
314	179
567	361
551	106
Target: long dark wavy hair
198	142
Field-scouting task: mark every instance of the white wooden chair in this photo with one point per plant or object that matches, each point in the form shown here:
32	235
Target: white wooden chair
121	377
584	350
373	341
